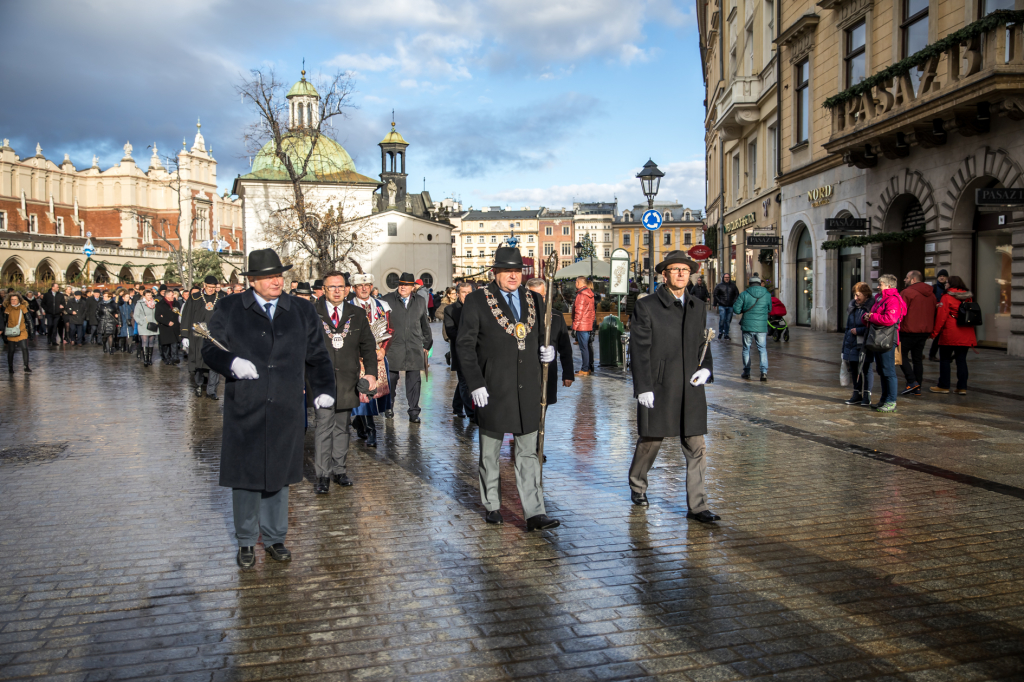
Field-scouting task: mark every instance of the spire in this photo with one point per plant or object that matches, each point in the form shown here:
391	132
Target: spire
154	161
200	144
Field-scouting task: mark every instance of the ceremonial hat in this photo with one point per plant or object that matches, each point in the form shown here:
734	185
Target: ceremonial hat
209	279
508	257
362	278
407	278
303	288
263	262
677	257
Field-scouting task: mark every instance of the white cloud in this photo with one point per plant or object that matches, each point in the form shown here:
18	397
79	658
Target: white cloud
363	62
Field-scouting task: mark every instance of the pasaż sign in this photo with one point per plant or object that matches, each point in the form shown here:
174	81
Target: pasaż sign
848	224
999	196
764	242
700	252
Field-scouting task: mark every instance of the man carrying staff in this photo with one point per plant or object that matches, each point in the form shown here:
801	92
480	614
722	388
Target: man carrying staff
273	340
665	342
200	309
410	337
500	353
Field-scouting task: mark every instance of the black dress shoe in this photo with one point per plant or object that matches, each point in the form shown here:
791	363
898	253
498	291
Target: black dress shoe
322	485
704	517
744	376
246	558
764	376
341	479
414	420
389	414
542	522
199	391
371	437
639	499
494	517
278	552
211	396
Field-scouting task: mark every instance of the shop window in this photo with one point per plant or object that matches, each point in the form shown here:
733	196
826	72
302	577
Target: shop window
804	277
856	54
803	101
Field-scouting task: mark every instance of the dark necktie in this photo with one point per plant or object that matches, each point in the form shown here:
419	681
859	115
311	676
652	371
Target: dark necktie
269	306
515	313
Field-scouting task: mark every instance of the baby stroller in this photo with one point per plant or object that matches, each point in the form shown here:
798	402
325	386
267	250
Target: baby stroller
777	327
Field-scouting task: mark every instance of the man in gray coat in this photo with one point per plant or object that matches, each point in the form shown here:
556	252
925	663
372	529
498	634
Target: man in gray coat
410	339
666	336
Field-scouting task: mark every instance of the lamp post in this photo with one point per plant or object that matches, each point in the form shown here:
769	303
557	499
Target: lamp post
650	179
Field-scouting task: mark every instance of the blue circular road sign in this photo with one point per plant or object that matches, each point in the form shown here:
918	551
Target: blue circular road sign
651	219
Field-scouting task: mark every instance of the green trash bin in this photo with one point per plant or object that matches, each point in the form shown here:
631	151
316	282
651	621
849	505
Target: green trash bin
609	336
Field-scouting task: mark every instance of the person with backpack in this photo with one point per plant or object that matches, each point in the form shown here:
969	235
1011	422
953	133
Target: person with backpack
754	304
955	319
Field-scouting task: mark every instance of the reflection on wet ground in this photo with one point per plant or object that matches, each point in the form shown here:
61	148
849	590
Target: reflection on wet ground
852	544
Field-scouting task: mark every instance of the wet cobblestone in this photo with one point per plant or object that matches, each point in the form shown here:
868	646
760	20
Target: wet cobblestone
852	545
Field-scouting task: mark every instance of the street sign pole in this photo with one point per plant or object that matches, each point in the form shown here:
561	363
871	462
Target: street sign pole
652	221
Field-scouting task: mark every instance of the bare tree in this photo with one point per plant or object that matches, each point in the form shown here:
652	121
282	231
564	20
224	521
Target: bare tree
297	150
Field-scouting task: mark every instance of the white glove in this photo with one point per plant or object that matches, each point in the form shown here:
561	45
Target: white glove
700	377
480	397
243	369
323	401
184	344
646	399
547	353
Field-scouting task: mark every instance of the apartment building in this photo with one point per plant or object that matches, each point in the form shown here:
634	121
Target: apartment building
484	230
556	235
596	220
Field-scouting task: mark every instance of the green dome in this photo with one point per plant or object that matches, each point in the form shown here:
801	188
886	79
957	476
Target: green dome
303	87
329	161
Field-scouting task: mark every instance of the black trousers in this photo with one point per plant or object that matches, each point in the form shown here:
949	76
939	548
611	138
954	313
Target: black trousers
412	390
912	347
52	321
11	345
946	355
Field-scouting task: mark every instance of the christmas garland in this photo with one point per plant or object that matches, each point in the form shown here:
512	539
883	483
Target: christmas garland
881	237
967	33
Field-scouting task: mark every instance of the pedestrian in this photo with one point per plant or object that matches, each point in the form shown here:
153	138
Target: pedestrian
318	289
499	342
92	312
888	309
560	341
584	313
378	314
303	291
16	330
954	339
53	308
264	410
169	321
147	327
723	297
915	329
665	345
754	304
200	310
462	402
446	300
700	289
410	341
74	318
35	314
939	288
107	317
858	360
352	350
126	330
292	287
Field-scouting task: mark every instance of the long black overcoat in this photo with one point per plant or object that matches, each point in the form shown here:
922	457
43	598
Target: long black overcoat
665	339
169	321
452	317
264	418
563	348
193	312
490	358
358	343
410	333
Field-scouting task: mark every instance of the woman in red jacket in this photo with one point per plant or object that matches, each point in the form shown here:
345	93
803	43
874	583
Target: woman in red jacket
954	340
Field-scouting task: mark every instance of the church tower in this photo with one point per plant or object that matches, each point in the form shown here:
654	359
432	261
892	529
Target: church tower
303	105
392	170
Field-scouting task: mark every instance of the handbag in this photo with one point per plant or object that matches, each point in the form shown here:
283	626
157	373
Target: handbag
15	330
152	326
844	372
899	354
880	339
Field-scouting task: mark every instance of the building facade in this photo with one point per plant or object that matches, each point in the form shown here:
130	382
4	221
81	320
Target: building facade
597	221
484	230
556	234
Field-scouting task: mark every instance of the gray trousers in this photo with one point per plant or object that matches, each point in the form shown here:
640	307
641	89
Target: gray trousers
693	449
212	379
258	512
331	441
528	472
412	390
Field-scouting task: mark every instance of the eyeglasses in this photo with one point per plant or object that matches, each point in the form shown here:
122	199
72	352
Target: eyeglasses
336	288
677	270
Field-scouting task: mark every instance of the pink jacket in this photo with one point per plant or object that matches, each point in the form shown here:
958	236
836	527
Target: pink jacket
583	311
889	309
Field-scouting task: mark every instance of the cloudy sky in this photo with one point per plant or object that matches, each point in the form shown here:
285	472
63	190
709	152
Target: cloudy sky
524	102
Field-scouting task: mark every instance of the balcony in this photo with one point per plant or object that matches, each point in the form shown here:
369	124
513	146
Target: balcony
770	75
954	85
737	106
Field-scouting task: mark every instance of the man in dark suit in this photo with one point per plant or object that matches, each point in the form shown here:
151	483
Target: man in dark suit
200	308
274	340
92	314
452	317
560	341
349	340
410	339
499	342
666	336
53	307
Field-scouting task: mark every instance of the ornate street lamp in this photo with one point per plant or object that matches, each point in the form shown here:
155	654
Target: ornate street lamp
579	251
650	180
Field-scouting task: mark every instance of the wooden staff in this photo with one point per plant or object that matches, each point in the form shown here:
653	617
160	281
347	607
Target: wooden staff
549	275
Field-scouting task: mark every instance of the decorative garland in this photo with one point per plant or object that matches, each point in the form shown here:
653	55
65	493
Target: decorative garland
967	33
881	237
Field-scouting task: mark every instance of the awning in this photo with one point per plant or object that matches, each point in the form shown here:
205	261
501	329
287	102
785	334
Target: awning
601	268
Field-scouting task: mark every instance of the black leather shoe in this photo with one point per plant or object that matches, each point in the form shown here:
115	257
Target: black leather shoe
199	391
494	517
341	479
389	414
211	396
246	558
764	376
704	517
278	552
639	499
542	522
371	437
744	376
414	420
322	486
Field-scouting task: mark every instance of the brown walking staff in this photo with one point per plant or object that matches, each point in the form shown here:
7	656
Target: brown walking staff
549	275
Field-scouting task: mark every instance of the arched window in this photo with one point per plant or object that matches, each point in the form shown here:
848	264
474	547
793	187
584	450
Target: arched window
668	216
627	217
391	280
688	216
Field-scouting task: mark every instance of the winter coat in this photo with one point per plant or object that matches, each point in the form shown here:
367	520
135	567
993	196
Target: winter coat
563	347
939	289
53	301
856	329
74	311
583	311
490	358
126	309
92	310
753	304
700	291
946	330
170	322
264	418
410	334
107	314
920	317
665	341
357	344
725	294
452	317
143	316
194	312
888	309
17	316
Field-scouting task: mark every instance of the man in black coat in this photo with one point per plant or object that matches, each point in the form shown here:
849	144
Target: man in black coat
53	307
74	318
499	342
274	341
452	318
166	313
200	308
410	339
348	340
666	337
723	297
92	311
560	341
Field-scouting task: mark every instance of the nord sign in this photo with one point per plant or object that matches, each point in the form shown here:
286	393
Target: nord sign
999	196
820	196
846	224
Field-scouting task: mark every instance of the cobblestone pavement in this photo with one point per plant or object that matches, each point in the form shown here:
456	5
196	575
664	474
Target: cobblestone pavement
852	545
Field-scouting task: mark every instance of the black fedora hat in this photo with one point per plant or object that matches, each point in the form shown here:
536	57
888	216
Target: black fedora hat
508	257
407	278
303	288
318	284
677	257
263	262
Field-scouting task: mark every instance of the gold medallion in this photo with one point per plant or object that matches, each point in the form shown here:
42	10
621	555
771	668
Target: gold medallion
520	331
209	306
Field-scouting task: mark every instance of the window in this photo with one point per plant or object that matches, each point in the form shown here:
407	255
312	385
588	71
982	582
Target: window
687	238
428	280
989	6
688	216
608	237
749	47
481	254
481	239
469	239
607	253
3	221
914	31
736	177
803	101
856	57
549	249
773	140
769	29
33	223
147	231
668	239
517	225
548	231
529	239
647	238
529	253
566	249
751	168
392	280
565	230
481	226
60	225
625	239
392	230
494	239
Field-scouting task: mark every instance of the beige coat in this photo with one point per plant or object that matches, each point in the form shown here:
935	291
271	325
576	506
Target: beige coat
17	316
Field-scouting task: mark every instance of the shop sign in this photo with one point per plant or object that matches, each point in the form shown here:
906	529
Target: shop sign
763	242
700	252
850	225
820	196
748	219
999	196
